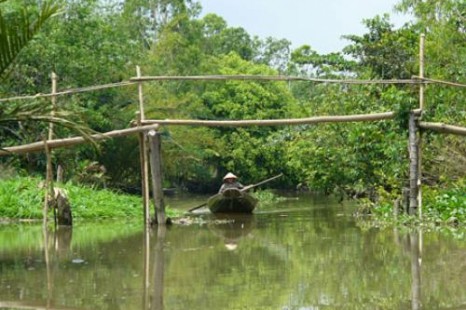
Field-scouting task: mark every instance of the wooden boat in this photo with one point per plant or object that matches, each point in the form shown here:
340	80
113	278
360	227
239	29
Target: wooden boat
232	200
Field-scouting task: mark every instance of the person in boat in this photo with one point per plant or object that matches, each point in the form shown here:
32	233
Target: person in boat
230	181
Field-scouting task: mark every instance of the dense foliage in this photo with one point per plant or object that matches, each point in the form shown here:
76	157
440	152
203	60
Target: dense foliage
23	198
99	42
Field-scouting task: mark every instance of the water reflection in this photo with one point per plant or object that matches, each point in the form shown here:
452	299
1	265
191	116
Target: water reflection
411	242
232	227
293	257
415	270
159	263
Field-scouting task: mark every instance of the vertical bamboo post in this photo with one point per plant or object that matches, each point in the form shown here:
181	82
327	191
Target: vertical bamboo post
54	103
45	210
413	164
421	107
143	154
48	155
156	169
421	71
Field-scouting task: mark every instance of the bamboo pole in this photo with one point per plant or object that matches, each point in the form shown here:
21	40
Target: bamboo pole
156	169
443	128
413	80
48	180
140	94
421	108
143	160
266	78
413	164
68	142
153	124
439	82
278	122
143	157
48	155
30	305
54	103
421	71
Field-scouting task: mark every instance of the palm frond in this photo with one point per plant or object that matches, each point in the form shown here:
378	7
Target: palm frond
37	111
15	34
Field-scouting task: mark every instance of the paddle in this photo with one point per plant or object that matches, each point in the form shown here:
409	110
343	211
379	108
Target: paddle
242	190
198	207
260	183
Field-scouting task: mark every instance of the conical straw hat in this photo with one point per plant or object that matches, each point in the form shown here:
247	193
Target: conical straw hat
230	175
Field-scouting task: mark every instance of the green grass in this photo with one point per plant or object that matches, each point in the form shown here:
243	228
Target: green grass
23	198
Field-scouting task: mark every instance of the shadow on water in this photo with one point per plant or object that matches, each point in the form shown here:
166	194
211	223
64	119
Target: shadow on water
299	254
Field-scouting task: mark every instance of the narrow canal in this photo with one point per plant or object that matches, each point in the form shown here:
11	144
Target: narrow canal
299	254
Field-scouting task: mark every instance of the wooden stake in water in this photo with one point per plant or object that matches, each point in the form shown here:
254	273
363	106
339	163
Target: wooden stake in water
156	169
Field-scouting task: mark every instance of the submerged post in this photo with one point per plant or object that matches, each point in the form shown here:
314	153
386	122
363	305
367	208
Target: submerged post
156	170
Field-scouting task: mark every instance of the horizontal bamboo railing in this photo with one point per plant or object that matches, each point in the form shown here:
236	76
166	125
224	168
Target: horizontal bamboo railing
278	122
271	78
444	128
51	144
135	80
154	124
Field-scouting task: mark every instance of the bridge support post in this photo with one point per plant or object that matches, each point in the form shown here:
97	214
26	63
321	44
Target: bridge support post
413	164
156	170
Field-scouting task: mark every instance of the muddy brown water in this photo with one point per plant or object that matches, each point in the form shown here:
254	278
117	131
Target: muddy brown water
304	253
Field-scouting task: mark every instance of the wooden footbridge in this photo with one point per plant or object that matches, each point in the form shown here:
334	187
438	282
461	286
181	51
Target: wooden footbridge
150	143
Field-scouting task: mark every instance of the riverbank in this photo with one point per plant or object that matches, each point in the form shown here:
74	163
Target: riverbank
442	208
22	198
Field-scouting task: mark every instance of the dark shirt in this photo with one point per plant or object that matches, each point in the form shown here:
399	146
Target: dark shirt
235	184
